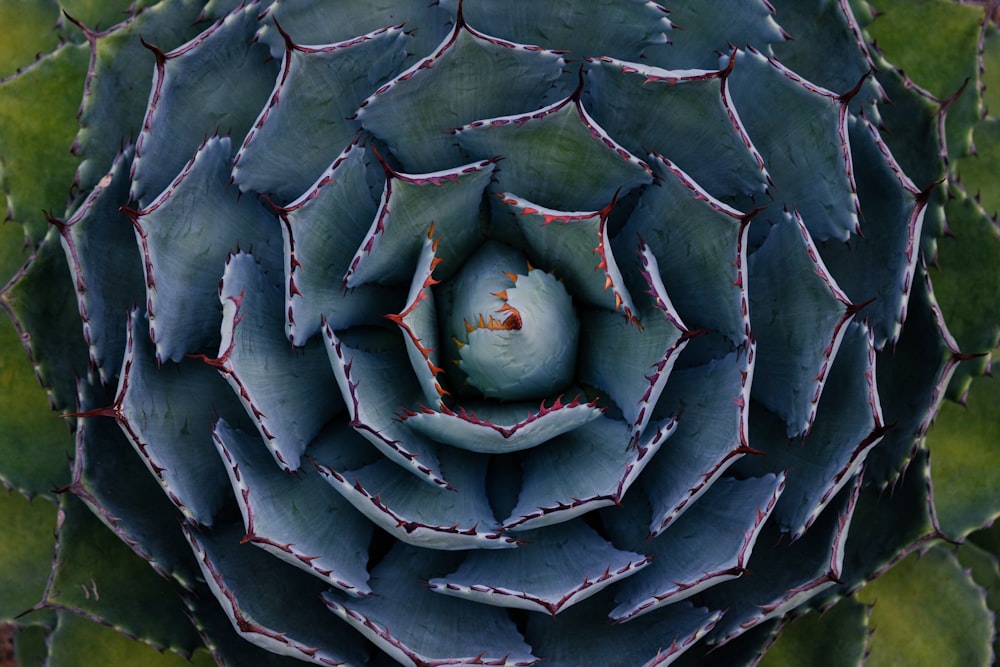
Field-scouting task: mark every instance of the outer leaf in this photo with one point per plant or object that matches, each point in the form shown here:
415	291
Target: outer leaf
417	627
944	620
837	637
26	548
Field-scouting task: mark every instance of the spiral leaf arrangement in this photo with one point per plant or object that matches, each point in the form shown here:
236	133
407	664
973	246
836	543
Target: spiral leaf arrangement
597	332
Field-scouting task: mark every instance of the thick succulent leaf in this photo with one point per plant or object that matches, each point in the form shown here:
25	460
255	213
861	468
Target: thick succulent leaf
307	114
446	202
35	304
781	576
711	543
486	77
575	247
297	518
26	548
703	31
33	445
625	31
944	620
418	627
500	428
898	520
542	153
971	310
106	265
597	464
798	324
632	360
880	263
112	481
37	122
701	255
829	26
78	642
273	605
374	392
458	517
555	569
289	408
186	234
911	129
910	390
701	114
818	121
30	24
656	639
29	645
965	461
325	22
978	170
943	64
418	323
848	425
837	637
713	403
167	412
321	230
117	85
983	563
216	83
96	575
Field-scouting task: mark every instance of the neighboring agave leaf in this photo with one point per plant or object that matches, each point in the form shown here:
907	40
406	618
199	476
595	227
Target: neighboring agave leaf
167	413
829	208
97	576
299	519
112	481
60	359
705	31
701	259
278	612
965	468
626	31
458	517
655	639
411	204
318	254
26	547
945	620
555	569
799	324
710	543
595	468
197	210
417	627
78	642
288	409
30	25
102	254
37	122
701	112
880	263
849	423
373	390
324	22
412	118
116	88
784	577
713	403
191	100
315	92
838	637
542	153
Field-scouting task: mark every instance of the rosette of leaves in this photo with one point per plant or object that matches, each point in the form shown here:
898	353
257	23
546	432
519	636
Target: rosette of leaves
605	332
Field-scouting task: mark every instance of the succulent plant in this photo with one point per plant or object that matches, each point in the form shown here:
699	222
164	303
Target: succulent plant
595	332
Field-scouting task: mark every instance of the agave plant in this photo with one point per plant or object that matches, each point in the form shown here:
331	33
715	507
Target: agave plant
601	332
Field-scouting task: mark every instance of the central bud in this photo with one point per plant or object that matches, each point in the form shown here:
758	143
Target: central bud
513	328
